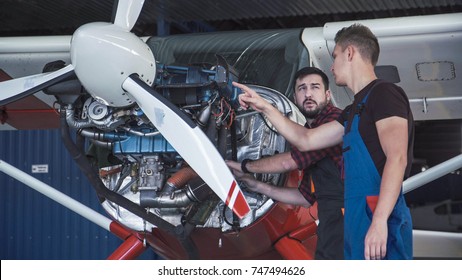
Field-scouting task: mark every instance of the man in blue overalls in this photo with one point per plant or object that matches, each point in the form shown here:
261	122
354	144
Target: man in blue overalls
378	134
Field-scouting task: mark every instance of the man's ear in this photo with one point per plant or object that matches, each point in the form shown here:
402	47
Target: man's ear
328	96
350	52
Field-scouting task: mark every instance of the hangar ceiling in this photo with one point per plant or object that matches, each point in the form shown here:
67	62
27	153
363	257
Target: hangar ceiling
62	17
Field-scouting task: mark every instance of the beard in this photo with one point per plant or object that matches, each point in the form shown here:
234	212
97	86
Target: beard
312	113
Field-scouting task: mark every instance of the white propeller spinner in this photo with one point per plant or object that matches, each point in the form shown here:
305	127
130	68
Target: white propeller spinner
105	54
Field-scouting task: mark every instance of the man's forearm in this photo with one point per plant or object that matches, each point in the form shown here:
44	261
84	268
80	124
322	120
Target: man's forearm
282	194
390	188
279	163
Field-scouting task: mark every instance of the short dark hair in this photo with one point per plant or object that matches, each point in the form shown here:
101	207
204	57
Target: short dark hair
361	37
308	71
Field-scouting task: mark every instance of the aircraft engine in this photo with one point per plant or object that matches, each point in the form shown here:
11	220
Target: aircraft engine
136	162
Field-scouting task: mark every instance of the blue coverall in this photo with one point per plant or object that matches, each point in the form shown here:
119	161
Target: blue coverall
362	187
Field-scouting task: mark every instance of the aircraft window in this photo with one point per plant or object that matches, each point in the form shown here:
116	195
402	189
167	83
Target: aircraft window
441	210
267	57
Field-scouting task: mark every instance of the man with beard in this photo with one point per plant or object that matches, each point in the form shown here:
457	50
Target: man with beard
321	180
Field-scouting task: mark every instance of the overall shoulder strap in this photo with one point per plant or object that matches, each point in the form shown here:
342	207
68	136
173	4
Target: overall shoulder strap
359	107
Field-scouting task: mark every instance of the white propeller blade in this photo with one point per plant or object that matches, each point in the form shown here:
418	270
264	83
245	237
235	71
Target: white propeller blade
190	142
127	13
18	88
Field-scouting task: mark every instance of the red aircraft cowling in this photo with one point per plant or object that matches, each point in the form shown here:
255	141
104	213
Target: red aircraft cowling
259	240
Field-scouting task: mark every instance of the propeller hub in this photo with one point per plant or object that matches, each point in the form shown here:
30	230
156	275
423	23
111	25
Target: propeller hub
104	55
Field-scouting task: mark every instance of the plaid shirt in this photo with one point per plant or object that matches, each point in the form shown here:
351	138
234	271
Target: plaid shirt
305	160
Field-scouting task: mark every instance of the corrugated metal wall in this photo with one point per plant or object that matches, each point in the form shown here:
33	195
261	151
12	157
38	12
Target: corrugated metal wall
42	17
33	226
